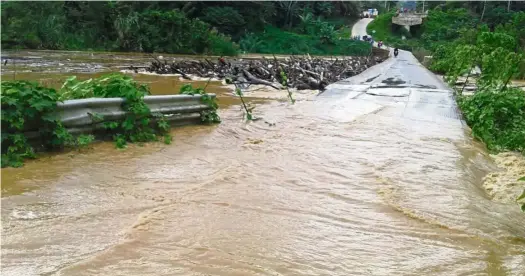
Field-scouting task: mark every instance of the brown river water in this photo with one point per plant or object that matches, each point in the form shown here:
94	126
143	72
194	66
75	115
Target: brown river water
335	187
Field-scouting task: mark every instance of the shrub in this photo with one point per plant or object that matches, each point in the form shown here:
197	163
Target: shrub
27	106
497	118
226	19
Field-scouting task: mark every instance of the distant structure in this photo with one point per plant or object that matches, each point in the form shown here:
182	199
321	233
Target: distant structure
370	13
407	16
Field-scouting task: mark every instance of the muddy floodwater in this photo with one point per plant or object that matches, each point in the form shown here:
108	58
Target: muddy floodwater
362	180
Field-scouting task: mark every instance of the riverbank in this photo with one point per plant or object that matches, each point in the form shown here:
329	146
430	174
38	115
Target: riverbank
504	185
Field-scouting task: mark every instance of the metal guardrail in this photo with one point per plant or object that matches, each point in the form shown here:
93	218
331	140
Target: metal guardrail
80	116
74	113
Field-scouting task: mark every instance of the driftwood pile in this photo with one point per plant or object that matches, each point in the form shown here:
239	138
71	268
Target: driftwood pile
301	72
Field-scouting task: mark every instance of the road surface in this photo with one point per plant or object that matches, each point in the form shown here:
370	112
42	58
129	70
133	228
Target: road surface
359	27
376	176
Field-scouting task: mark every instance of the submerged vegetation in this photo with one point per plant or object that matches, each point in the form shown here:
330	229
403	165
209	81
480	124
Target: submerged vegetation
30	123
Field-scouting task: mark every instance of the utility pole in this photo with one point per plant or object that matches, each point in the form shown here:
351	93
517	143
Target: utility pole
423	6
483	12
508	7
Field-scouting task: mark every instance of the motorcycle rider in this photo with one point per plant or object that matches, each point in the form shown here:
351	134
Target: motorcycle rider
396	52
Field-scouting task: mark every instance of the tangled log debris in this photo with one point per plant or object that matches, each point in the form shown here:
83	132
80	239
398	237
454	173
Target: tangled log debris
302	72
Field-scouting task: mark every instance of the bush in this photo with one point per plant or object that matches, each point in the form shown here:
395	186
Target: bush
27	106
149	31
222	45
497	118
226	19
446	25
382	25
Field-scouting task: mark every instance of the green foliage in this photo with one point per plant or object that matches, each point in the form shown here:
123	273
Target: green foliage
490	41
114	85
276	41
153	26
382	25
137	126
285	84
83	140
499	67
209	116
220	44
251	43
391	34
167	139
316	27
173	32
226	19
495	113
115	26
249	115
27	106
446	25
461	62
496	118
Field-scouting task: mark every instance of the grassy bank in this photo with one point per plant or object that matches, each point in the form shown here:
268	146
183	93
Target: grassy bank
276	41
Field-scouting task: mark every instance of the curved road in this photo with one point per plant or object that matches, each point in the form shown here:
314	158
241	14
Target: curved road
359	28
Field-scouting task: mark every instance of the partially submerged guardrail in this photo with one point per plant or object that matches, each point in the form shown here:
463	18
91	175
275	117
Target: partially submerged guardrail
83	115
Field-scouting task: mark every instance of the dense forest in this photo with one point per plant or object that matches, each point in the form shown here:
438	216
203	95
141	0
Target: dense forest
224	28
447	21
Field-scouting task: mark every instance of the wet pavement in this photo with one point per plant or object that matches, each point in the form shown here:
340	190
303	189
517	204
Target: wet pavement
376	176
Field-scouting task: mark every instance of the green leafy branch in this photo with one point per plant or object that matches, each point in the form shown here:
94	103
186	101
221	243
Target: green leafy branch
249	115
210	115
285	84
29	107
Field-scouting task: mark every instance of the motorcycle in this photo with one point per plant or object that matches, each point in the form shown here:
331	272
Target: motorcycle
396	52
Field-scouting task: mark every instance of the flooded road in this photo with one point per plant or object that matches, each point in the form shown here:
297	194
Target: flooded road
376	176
